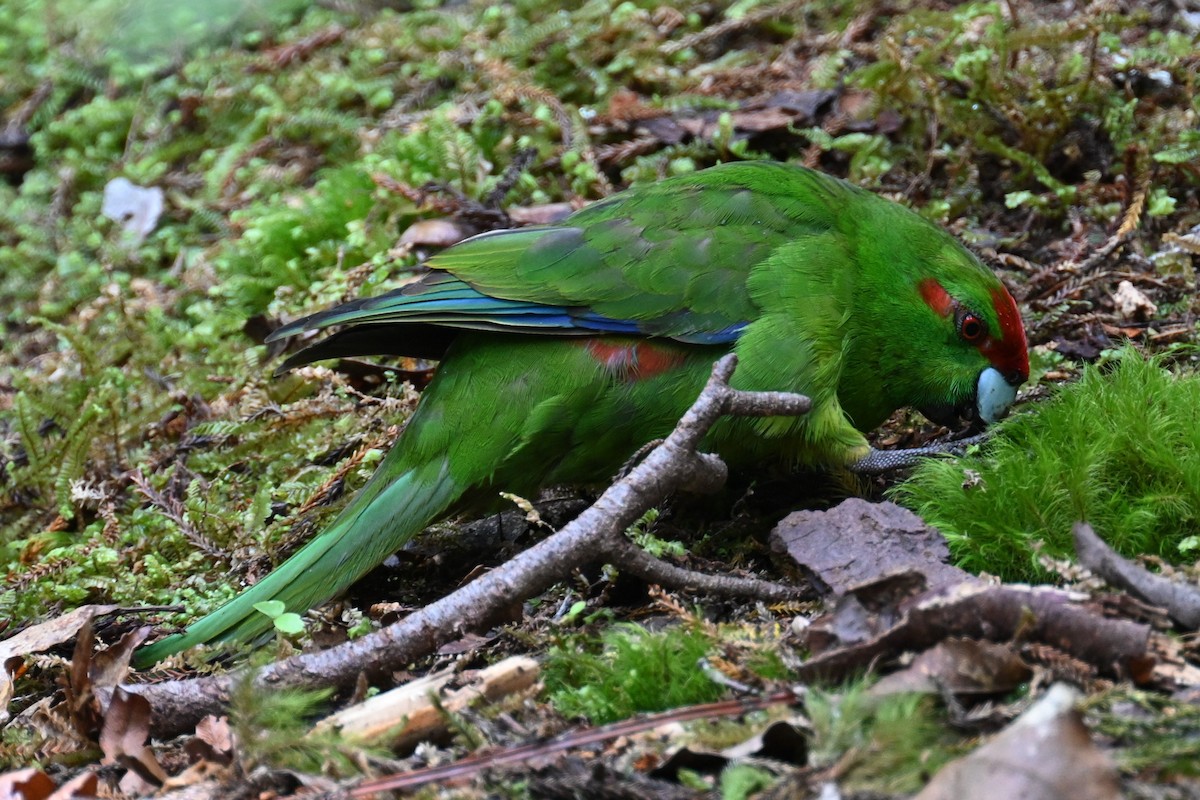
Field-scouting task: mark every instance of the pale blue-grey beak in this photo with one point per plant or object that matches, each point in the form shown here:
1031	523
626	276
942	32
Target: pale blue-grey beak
993	395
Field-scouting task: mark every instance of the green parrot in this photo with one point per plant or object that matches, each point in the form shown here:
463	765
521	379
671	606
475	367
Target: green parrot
563	349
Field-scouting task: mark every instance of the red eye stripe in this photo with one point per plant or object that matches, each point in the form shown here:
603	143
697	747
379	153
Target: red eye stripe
1006	348
936	297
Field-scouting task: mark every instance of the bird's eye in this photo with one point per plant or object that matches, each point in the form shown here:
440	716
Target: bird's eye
971	328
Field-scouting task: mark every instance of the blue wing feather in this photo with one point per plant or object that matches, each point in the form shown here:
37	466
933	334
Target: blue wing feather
440	299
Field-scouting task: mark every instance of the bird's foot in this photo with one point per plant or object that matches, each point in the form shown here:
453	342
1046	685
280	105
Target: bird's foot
878	461
636	459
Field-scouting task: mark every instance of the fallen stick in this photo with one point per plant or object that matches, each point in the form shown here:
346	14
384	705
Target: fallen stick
1181	600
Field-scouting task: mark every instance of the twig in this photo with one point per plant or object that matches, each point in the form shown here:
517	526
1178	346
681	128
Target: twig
632	559
1182	601
473	765
729	26
173	510
1129	223
1116	647
598	533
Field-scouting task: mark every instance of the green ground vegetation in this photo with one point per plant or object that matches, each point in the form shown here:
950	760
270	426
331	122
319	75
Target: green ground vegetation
1119	448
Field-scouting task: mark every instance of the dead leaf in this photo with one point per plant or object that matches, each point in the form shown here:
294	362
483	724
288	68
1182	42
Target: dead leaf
123	737
436	233
213	741
9	668
1046	754
961	667
81	786
805	105
760	120
780	741
110	667
1131	303
469	643
41	637
26	784
546	214
81	704
33	784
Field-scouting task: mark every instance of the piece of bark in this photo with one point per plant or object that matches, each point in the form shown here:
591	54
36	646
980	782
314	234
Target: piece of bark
408	714
1117	648
962	667
865	611
856	541
1181	600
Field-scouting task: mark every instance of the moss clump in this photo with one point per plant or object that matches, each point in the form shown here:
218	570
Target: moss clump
890	744
628	670
1120	448
1152	736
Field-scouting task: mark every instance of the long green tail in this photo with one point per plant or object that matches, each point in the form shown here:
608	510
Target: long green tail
385	514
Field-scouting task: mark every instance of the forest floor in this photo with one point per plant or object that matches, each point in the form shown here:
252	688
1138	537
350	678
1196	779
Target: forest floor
177	184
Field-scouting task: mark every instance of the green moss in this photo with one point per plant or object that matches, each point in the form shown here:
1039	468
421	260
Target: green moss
1120	449
890	744
1152	736
286	245
629	670
274	728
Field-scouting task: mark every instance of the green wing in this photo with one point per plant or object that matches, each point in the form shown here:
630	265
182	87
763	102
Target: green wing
670	259
673	256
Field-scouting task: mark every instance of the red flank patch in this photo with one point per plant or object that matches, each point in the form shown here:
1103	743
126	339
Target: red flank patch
634	361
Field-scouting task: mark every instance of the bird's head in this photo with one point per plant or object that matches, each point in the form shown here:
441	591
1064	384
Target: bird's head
983	355
934	329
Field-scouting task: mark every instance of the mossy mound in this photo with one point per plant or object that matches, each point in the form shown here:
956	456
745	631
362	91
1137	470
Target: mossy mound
1120	448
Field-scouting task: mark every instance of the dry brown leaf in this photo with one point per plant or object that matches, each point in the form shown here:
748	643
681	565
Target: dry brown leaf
1046	754
26	784
213	741
545	214
110	667
123	737
961	667
81	704
81	786
41	637
8	673
1131	303
435	233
